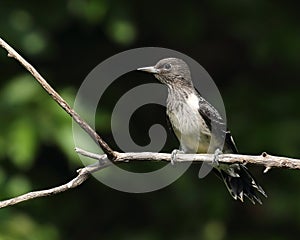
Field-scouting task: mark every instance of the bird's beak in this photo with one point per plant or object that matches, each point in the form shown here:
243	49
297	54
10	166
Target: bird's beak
149	69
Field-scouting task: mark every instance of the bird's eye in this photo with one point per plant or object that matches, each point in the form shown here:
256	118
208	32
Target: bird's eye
167	66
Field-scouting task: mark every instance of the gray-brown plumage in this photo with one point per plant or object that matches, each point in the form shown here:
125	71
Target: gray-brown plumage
199	127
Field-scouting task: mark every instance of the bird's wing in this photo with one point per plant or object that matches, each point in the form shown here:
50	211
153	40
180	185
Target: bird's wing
215	123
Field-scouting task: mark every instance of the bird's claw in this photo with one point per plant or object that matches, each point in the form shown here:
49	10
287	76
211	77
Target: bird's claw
215	161
173	155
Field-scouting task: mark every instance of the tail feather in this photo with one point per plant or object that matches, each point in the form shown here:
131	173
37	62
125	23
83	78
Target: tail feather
240	182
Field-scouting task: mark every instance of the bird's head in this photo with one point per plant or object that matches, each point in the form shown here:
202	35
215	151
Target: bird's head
171	71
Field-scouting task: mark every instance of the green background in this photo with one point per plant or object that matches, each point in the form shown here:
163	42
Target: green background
250	48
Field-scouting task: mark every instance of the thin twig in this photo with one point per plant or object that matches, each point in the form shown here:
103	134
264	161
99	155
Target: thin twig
83	175
12	53
44	193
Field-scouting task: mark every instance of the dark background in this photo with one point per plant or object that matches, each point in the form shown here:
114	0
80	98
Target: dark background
250	48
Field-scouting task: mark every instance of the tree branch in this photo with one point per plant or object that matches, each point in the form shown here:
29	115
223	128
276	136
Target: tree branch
264	159
57	98
83	175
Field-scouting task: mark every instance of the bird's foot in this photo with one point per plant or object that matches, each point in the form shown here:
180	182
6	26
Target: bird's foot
173	155
215	161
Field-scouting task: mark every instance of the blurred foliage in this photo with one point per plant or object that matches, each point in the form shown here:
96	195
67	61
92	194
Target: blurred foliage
250	48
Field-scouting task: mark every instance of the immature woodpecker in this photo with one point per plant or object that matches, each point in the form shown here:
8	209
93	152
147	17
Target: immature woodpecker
199	126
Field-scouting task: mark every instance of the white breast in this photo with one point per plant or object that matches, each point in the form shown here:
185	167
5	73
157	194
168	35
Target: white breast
188	125
193	102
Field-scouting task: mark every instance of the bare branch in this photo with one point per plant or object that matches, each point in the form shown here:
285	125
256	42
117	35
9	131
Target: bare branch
12	53
264	159
83	175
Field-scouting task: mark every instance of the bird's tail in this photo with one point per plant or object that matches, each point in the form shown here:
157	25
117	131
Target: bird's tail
240	182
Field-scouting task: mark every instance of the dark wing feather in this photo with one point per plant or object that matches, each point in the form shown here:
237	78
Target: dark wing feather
214	121
244	184
229	142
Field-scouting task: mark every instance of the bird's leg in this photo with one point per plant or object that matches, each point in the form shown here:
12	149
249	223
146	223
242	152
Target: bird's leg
215	161
173	155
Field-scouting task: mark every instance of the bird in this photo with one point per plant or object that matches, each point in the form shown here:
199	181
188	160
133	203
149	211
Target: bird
196	123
